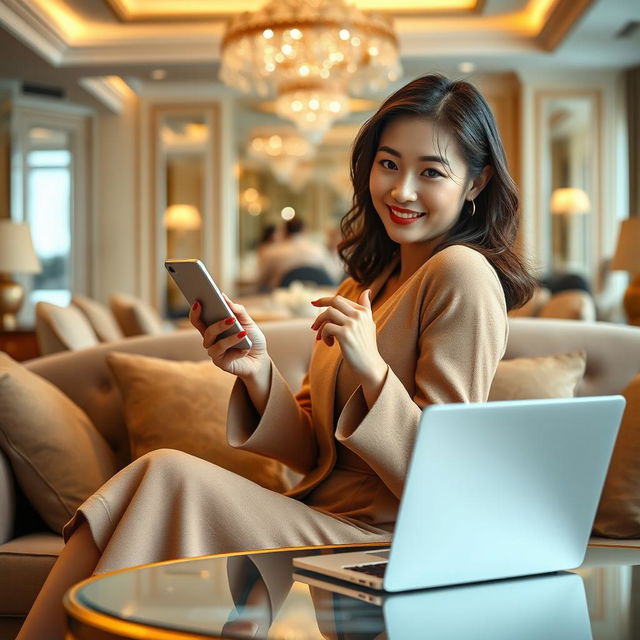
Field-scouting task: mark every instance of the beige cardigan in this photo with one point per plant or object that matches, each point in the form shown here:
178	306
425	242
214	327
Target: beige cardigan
442	334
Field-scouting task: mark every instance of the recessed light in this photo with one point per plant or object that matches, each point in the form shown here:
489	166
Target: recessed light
158	74
467	67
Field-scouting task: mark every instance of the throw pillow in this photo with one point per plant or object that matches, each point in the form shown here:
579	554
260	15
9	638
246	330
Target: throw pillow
554	376
183	405
619	510
58	456
100	318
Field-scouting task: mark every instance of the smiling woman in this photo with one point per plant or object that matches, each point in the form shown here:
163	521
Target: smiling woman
429	171
422	320
417	192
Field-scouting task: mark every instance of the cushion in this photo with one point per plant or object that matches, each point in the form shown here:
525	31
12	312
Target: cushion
62	328
134	316
100	318
58	456
555	376
619	511
183	405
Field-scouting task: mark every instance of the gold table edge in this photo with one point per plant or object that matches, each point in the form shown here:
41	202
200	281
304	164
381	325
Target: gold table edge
109	624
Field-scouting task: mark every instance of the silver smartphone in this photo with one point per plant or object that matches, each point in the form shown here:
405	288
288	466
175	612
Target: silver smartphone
196	283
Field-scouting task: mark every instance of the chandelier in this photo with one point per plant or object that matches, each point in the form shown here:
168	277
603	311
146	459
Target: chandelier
281	151
309	55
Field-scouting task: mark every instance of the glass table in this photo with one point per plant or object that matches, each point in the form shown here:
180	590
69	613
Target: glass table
260	595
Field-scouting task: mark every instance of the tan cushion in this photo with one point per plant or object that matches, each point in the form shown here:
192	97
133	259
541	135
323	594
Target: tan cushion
58	456
62	329
134	316
183	405
100	318
540	297
571	304
555	376
619	511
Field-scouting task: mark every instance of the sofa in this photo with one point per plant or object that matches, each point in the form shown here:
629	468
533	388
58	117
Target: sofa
568	304
28	548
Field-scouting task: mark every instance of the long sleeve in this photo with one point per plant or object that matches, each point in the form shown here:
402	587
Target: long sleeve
461	336
285	429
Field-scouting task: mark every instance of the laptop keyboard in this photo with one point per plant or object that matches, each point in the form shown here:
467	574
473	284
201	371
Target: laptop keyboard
376	569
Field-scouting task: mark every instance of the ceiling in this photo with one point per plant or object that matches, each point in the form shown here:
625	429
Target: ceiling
64	42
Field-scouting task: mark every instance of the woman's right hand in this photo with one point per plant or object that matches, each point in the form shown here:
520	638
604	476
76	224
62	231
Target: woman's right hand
244	363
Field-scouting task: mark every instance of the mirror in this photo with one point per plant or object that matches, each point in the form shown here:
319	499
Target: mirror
282	174
569	184
183	138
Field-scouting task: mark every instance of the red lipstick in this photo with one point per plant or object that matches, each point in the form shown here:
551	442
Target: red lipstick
396	219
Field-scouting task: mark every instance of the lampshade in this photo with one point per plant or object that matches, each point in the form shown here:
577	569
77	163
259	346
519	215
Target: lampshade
569	201
16	249
627	255
182	216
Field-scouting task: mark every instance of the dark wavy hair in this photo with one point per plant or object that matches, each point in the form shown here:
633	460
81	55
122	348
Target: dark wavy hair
458	108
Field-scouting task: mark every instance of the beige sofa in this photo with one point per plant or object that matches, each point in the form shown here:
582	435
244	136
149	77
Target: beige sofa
28	550
570	304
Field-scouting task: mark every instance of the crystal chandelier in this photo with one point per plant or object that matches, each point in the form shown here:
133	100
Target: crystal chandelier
309	55
281	150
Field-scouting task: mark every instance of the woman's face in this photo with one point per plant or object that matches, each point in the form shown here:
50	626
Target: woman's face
418	182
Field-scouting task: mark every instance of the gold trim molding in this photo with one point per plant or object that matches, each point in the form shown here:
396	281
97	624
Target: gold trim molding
188	10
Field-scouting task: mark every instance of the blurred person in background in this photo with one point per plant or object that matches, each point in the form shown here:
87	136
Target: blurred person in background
296	250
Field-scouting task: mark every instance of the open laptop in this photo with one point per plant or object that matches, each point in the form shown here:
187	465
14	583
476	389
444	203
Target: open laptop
494	490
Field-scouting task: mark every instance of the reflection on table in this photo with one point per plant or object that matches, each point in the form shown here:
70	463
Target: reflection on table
257	596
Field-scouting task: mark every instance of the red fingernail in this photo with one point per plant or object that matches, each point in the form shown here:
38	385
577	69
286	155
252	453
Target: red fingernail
229	320
315	303
318	336
242	334
196	304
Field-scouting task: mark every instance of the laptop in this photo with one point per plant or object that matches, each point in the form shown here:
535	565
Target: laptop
552	606
494	490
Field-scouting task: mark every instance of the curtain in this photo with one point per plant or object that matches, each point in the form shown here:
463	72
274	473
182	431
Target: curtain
632	83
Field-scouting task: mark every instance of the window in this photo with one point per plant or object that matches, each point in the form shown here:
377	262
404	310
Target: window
48	212
50	187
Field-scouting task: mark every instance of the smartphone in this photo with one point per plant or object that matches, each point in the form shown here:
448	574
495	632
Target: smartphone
196	283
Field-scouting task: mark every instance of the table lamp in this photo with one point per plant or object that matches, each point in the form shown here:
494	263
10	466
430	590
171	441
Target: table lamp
627	258
569	201
16	256
184	217
566	203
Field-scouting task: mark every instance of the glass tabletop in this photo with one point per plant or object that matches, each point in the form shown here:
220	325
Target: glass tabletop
260	595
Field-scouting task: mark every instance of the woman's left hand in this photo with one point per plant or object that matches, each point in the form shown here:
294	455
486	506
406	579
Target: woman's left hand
351	324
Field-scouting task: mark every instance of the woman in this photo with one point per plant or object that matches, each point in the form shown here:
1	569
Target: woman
429	248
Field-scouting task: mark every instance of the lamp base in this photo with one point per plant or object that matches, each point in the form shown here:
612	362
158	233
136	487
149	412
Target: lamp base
11	297
631	301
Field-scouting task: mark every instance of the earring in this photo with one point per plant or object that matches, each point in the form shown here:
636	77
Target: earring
473	208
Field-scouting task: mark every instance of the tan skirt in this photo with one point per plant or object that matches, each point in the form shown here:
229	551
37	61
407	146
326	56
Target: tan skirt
169	504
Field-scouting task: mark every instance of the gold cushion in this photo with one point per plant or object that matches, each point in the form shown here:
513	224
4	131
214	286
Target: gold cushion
619	511
555	376
58	456
183	405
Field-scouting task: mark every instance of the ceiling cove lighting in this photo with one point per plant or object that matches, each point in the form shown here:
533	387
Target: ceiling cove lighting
310	56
